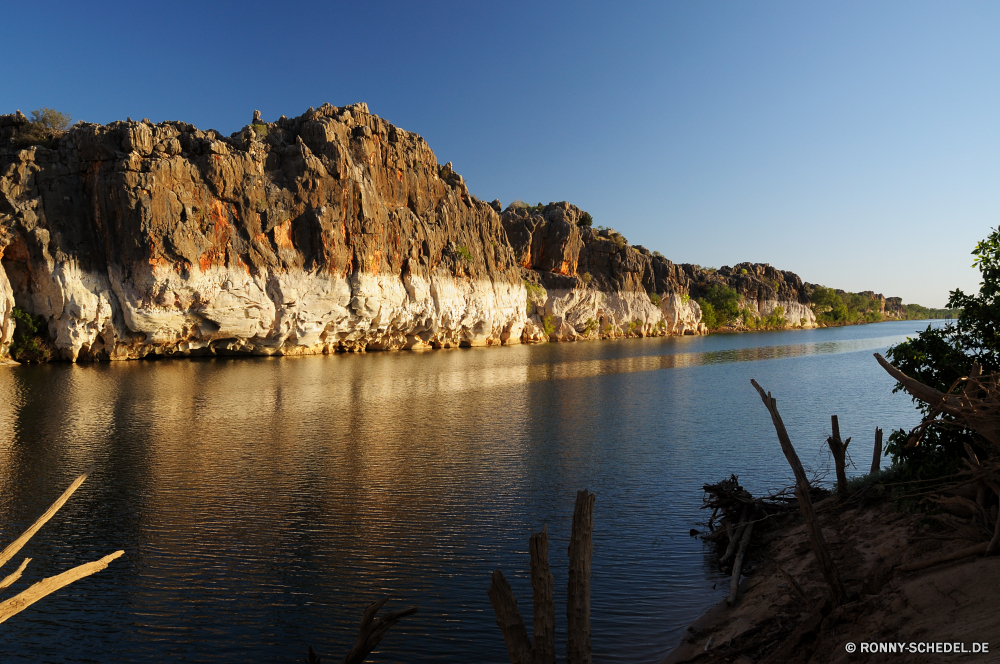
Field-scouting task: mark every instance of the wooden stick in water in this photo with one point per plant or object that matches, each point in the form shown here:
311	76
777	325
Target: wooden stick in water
839	449
509	620
581	549
373	628
20	602
8	580
543	649
16	545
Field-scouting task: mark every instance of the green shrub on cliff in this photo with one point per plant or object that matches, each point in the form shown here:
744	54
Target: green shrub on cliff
708	316
585	220
464	252
725	303
939	356
29	344
45	126
655	299
536	296
548	325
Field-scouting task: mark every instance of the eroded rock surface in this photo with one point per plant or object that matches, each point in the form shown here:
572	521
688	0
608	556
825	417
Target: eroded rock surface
331	231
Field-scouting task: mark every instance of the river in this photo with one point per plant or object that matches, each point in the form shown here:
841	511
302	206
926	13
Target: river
262	503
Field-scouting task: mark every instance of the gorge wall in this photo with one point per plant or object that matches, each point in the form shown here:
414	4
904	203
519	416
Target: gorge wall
331	231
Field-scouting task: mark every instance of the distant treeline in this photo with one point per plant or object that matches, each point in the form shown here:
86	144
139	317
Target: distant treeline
834	307
917	312
723	307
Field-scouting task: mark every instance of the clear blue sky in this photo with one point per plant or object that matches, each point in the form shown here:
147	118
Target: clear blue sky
854	143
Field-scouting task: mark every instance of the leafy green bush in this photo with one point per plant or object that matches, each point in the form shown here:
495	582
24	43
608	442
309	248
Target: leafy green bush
725	303
28	344
685	298
586	278
655	299
619	240
585	220
940	356
536	295
708	316
49	118
548	326
261	130
464	252
591	326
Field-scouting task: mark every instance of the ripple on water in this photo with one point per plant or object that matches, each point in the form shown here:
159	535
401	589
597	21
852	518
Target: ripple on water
263	502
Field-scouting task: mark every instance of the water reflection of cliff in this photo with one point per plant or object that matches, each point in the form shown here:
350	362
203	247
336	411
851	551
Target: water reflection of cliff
262	502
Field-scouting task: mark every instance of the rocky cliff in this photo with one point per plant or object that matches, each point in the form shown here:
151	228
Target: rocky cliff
763	289
331	231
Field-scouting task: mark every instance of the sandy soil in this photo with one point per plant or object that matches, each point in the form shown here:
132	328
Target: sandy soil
952	602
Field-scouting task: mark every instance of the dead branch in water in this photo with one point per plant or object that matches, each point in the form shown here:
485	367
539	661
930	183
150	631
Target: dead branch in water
26	598
520	648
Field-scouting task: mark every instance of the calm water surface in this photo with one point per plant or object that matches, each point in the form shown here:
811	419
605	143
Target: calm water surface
263	503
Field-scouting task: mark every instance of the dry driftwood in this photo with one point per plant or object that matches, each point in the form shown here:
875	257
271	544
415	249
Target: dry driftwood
23	600
839	450
805	503
736	536
26	598
734	583
977	406
977	550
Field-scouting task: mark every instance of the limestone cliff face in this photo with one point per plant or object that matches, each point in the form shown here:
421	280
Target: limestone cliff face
764	289
596	284
331	231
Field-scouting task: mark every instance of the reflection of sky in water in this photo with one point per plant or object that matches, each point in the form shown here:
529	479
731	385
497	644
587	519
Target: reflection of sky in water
263	502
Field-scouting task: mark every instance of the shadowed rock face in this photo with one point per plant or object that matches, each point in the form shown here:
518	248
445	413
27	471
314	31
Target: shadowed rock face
331	231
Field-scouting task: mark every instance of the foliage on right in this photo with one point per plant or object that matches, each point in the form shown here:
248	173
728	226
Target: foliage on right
939	356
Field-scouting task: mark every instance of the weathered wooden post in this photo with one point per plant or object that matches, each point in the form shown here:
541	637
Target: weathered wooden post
839	449
581	550
877	452
509	620
805	503
543	650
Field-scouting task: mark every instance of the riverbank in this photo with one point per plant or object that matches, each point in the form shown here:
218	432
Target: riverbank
869	542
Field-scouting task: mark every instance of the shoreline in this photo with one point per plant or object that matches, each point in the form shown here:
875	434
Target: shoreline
869	540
